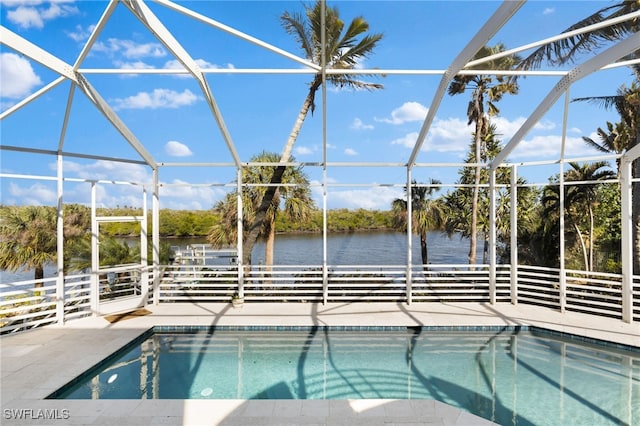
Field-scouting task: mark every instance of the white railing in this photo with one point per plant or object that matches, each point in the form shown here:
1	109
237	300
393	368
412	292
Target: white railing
28	304
539	286
595	293
458	283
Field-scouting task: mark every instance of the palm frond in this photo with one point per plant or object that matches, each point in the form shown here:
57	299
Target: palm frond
564	51
605	102
294	24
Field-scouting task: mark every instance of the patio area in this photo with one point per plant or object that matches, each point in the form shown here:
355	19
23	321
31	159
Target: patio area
38	362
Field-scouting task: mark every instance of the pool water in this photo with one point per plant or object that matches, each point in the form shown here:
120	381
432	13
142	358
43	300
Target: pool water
511	376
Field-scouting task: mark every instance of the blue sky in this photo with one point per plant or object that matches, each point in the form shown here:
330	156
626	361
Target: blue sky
170	117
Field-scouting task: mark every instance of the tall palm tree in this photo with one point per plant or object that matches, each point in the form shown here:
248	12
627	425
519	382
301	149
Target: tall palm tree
486	91
584	195
344	48
458	203
427	214
298	204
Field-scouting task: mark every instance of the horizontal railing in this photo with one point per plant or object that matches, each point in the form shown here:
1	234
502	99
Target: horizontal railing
28	304
458	283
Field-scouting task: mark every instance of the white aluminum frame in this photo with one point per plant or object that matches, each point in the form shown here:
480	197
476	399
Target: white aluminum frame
79	78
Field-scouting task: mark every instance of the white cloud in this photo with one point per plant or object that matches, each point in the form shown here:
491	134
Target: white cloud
15	3
176	195
548	147
80	34
177	149
34	195
159	98
450	135
33	14
349	151
359	125
379	198
130	49
409	111
408	140
545	125
17	78
179	195
505	128
107	170
303	150
548	11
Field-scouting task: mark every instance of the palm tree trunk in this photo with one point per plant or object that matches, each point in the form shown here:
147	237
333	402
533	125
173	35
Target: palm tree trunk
473	238
269	245
485	251
584	247
251	237
39	275
423	248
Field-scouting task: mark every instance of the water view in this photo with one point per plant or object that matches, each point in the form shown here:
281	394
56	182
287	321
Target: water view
360	248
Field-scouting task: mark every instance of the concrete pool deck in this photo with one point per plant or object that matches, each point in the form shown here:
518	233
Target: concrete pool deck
38	362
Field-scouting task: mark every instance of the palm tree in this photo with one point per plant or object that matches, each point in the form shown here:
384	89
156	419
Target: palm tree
621	136
458	202
486	89
298	204
615	139
343	49
584	195
28	238
427	213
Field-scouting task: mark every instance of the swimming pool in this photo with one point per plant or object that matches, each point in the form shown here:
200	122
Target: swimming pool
515	375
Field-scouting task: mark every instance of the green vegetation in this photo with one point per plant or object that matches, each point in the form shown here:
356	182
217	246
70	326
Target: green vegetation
296	200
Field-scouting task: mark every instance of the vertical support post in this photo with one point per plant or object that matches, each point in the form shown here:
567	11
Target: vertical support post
94	281
514	234
155	236
563	273
144	264
325	270
626	192
409	277
240	235
492	236
323	63
60	245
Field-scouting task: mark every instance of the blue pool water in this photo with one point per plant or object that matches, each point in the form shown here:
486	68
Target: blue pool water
516	376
